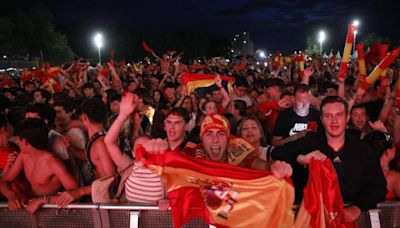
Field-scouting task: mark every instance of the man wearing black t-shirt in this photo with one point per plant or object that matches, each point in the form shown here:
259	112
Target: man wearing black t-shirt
360	177
293	123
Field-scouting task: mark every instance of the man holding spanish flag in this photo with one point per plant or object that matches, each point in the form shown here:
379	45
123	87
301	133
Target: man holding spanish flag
361	180
224	195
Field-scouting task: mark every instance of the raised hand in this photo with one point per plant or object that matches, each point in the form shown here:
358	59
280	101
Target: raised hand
129	102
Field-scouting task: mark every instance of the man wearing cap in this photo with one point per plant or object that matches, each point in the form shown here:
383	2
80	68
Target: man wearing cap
219	146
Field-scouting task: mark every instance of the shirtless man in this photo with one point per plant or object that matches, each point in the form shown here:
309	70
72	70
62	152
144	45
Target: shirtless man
93	113
44	171
165	62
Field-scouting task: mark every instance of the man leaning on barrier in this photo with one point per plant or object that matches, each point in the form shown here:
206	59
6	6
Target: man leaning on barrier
44	171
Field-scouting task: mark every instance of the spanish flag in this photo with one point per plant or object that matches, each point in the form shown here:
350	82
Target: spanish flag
322	204
222	194
346	53
382	66
361	62
301	65
194	81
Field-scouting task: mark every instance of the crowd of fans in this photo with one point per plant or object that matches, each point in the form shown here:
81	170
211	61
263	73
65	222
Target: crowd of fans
59	135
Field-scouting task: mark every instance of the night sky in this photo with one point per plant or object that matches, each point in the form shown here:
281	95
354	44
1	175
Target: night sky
273	25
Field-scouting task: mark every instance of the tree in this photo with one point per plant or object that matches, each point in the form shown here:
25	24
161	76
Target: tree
372	38
26	28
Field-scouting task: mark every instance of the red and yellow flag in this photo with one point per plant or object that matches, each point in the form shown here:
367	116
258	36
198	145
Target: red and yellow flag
346	53
322	204
383	65
301	65
146	47
193	81
361	62
222	194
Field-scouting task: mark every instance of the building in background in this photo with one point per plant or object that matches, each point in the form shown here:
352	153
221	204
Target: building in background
242	45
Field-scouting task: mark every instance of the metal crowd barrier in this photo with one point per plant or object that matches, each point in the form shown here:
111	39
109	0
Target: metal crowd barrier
82	215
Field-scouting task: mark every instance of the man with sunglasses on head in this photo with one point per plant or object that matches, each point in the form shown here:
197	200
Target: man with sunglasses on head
361	180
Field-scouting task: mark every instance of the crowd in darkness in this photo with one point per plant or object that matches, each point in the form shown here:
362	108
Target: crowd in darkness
65	127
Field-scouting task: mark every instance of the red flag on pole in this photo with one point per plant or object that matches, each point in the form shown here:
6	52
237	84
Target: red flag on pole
146	47
346	53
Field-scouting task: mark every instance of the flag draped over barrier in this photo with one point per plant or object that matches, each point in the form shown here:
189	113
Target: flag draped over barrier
222	194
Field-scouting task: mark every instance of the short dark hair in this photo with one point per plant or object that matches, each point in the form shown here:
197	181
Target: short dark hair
239	81
34	131
169	85
179	111
67	105
95	109
88	85
334	99
45	94
115	97
4	103
360	106
274	82
145	94
241	106
15	115
45	111
3	121
330	85
302	88
379	141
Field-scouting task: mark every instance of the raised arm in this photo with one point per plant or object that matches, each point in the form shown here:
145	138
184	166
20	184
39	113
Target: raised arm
127	106
226	99
156	56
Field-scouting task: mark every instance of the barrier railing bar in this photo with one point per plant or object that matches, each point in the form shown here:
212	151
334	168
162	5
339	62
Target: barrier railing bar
128	207
374	218
101	219
105	219
134	219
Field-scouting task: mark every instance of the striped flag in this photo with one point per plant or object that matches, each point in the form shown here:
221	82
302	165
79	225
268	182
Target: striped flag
346	53
207	81
383	65
222	194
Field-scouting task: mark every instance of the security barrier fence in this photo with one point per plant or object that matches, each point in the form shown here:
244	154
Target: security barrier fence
83	215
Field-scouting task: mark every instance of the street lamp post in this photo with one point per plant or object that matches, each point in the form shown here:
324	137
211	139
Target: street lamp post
356	23
98	40
321	39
